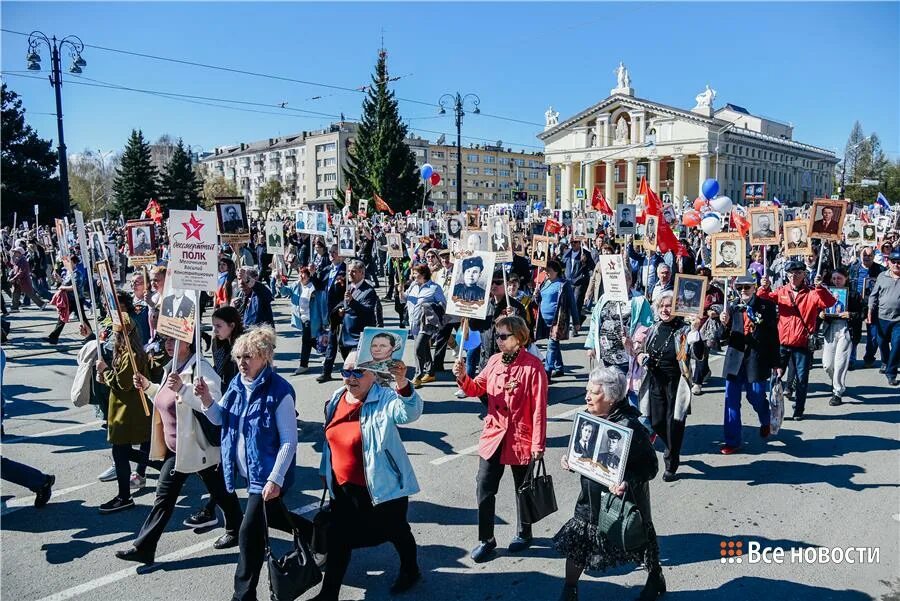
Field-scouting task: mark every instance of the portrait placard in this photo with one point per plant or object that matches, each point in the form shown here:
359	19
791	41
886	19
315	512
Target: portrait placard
193	250
615	284
598	449
140	236
499	240
470	283
796	237
625	220
754	190
852	229
729	254
540	250
475	240
763	225
827	218
651	226
690	295
346	241
519	245
232	220
108	286
380	348
363	208
274	237
841	305
580	229
454	226
394	245
177	312
869	234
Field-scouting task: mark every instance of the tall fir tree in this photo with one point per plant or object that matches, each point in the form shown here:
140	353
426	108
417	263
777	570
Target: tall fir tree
137	180
28	164
380	162
180	188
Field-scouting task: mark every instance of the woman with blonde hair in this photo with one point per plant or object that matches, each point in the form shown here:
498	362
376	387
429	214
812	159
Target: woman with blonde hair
259	442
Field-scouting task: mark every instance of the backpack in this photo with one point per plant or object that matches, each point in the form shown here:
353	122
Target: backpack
81	384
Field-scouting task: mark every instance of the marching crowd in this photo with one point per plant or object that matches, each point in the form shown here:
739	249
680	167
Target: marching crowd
235	424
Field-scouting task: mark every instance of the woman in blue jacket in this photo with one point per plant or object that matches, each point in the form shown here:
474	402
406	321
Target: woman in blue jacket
259	442
557	311
309	314
368	472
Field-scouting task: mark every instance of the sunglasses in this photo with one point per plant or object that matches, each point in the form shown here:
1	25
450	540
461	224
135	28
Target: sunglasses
744	287
352	373
500	336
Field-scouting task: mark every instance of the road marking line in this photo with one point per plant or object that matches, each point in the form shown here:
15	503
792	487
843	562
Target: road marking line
96	583
17	503
52	432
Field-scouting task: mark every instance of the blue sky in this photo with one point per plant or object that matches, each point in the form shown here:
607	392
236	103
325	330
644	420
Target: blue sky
818	66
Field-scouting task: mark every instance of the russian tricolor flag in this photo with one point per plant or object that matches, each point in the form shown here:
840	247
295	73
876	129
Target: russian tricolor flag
881	200
776	202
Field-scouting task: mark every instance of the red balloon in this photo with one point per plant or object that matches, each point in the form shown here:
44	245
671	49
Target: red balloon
700	203
435	178
691	218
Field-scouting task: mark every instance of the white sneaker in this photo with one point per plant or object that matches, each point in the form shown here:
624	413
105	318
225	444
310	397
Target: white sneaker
460	394
695	389
109	475
137	482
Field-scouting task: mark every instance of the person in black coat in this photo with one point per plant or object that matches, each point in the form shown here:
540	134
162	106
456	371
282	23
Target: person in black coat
579	265
865	268
333	282
752	330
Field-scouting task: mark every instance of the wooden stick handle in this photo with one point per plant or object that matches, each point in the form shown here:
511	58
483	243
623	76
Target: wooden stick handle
135	370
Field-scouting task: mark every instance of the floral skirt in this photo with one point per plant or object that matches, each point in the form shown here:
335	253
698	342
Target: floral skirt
579	541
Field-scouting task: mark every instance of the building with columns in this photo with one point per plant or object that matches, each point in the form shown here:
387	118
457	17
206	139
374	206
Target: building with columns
621	138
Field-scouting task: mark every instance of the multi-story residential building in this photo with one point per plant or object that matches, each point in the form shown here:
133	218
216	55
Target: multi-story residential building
621	138
490	174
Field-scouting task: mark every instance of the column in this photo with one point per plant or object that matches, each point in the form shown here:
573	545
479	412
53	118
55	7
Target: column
635	128
565	183
654	174
605	138
551	188
629	194
704	169
610	183
679	176
601	132
589	179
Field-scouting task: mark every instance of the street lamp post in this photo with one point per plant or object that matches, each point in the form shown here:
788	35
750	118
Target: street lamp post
719	133
76	46
458	103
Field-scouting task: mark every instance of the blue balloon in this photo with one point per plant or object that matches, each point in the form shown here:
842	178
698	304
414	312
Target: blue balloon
427	170
710	188
472	342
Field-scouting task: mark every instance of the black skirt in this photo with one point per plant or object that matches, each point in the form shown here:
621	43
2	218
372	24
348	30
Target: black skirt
580	541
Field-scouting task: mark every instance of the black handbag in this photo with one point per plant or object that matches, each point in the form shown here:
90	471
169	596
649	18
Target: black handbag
294	573
211	432
536	498
321	523
621	523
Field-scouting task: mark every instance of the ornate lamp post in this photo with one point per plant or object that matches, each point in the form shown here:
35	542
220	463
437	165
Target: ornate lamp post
458	103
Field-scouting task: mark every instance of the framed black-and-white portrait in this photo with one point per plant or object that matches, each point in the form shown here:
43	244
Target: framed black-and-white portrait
869	234
827	218
796	237
455	224
394	245
729	254
764	225
651	228
346	241
231	215
499	239
475	240
625	219
540	250
470	283
690	295
598	449
140	237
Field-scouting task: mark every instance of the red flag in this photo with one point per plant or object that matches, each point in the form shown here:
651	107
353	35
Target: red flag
740	222
551	226
381	205
598	201
154	211
666	239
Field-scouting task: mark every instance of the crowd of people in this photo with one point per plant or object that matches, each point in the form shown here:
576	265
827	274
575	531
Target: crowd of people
223	412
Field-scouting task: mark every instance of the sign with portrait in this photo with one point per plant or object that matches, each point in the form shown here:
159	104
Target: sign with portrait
499	240
394	245
363	208
140	236
651	227
454	224
108	286
177	312
729	254
852	229
827	219
193	250
625	220
690	295
380	349
81	236
346	241
615	284
580	229
232	220
598	449
796	237
475	240
763	225
470	283
841	305
519	245
62	238
274	237
869	234
540	250
754	190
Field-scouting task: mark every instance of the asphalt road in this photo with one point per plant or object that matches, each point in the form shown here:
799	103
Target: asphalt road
830	481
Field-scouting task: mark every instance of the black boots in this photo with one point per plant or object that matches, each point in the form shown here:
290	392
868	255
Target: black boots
655	587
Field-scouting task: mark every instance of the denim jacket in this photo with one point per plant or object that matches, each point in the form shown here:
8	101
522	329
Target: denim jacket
389	473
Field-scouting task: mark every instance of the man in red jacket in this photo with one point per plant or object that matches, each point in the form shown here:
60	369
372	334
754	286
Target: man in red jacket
798	308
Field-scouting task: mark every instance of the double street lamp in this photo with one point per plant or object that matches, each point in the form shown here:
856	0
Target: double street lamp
35	40
458	103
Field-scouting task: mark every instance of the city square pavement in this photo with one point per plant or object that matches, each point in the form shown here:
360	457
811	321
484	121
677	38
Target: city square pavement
829	481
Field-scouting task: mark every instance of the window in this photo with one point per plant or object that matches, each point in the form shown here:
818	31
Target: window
330	147
504	161
437	154
489	158
504	173
490	171
641	171
520	162
330	177
472	158
453	156
471	170
330	162
537	174
533	164
533	187
618	174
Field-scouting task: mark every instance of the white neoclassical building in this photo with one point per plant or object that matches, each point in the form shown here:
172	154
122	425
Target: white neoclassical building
619	139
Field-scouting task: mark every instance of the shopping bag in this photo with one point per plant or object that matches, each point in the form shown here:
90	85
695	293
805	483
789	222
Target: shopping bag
776	404
536	498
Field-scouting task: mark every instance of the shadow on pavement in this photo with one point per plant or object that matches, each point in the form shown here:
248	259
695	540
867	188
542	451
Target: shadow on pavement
781	472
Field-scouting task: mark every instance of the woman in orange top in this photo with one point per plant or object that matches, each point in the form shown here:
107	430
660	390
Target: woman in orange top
515	428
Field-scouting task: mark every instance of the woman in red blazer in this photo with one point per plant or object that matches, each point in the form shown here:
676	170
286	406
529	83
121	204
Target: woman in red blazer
515	428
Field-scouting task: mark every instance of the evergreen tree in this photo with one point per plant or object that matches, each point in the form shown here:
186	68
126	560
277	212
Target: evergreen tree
180	187
380	162
28	164
136	178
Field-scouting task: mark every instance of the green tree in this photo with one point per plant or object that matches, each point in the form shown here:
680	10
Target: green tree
137	180
380	162
215	187
268	197
890	182
91	177
28	164
180	188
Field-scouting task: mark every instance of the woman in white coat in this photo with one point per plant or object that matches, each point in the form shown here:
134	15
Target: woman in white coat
186	444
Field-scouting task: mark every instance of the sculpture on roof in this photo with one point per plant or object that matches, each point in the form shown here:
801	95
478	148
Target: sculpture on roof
706	97
551	118
623	80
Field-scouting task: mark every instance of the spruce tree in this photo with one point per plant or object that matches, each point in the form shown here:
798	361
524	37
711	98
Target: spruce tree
136	178
380	162
180	187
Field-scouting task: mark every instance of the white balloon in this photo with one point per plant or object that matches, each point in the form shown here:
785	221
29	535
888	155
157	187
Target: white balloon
721	204
711	224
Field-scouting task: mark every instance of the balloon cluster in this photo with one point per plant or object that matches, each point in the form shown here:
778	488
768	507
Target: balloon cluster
430	175
708	209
